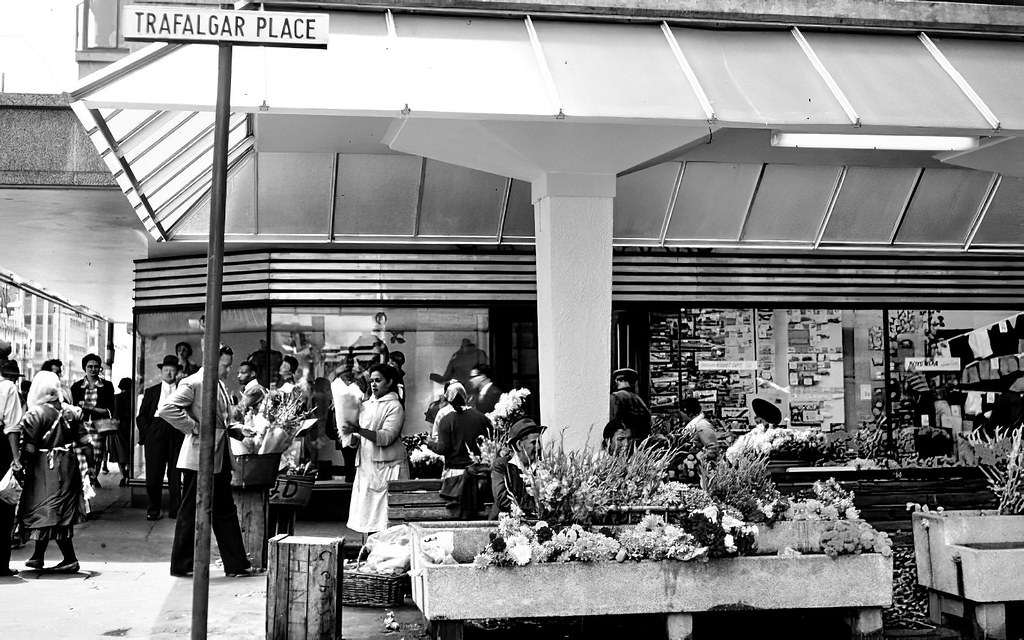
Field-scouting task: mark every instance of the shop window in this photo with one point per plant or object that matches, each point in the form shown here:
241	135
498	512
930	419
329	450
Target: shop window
435	344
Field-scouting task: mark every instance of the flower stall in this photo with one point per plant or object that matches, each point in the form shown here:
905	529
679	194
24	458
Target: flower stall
605	520
970	560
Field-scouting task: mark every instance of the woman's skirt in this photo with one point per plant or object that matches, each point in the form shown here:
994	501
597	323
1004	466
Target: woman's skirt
368	511
52	501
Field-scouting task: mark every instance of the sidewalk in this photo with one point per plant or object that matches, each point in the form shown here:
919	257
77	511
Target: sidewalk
125	589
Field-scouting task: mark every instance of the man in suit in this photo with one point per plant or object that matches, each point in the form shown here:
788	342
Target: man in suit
183	411
161	442
507	482
485	393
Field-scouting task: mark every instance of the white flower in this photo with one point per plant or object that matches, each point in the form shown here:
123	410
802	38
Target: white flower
729	522
730	543
521	553
851	513
710	512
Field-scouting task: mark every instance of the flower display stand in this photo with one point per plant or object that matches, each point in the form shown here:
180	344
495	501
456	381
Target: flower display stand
971	563
449	594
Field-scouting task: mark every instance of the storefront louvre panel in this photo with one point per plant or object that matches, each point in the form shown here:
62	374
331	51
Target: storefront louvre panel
712	200
893	80
870	200
790	203
641	201
294	191
460	202
943	206
995	70
376	194
759	77
1004	220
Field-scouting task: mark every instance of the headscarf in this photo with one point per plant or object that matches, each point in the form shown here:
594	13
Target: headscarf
44	390
455	390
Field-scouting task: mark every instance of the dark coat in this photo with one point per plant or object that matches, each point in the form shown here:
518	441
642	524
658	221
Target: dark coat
147	421
505	479
104	398
486	402
629	409
455	433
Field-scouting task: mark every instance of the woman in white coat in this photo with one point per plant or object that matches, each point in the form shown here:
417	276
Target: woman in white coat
381	454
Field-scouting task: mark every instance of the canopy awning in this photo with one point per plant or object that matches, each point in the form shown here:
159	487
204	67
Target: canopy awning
395	76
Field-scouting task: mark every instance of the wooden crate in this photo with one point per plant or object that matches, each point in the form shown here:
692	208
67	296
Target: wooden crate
304	588
419	501
252	505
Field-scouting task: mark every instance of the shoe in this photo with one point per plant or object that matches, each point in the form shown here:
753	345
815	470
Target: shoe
247	573
106	470
123	482
7	573
34	563
153	516
187	574
95	483
64	567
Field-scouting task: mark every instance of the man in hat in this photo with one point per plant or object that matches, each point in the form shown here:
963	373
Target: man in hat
627	407
10	414
507	481
161	442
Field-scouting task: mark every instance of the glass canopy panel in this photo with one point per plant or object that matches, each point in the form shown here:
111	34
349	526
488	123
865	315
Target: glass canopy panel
1004	221
163	83
641	202
758	77
191	196
239	208
519	212
460	202
944	206
712	201
606	70
122	122
163	147
995	70
894	81
294	193
479	65
790	203
376	195
869	202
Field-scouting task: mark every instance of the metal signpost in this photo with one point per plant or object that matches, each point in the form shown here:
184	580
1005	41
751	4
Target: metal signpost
224	28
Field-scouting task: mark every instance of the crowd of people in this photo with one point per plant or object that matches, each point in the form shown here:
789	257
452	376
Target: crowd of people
59	439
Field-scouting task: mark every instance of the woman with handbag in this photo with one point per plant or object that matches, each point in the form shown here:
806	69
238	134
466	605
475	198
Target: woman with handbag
43	443
381	456
95	396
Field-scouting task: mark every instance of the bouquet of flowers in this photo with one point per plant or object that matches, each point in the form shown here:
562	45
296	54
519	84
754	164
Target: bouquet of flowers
516	544
508	410
746	484
830	502
805	444
279	418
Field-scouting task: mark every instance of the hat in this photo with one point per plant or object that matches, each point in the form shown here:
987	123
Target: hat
630	375
766	410
10	369
169	361
522	428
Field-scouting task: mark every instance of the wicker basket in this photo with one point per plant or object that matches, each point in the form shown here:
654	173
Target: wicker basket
360	589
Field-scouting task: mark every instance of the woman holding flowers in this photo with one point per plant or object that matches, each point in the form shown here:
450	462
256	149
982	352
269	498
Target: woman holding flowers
381	455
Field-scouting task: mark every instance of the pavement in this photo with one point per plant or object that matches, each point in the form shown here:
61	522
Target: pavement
124	588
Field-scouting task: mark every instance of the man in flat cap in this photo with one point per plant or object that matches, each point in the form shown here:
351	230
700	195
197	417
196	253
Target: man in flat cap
627	407
507	482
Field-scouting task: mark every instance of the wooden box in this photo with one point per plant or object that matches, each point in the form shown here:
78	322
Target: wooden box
304	588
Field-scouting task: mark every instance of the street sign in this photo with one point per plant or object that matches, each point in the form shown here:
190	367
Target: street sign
212	26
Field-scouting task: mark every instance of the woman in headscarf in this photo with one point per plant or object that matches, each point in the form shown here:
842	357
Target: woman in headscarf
458	431
43	443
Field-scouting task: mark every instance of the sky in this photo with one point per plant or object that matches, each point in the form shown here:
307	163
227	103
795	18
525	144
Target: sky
37	45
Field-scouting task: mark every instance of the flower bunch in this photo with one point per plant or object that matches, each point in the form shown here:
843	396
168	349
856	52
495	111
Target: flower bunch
854	536
678	494
507	412
805	444
720	530
746	485
655	539
422	456
275	422
515	544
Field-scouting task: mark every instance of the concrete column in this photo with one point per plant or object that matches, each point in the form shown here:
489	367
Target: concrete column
573	220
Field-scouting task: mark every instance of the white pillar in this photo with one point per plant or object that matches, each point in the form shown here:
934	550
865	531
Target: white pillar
573	220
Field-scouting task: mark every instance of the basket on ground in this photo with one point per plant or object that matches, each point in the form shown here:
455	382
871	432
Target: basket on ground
367	589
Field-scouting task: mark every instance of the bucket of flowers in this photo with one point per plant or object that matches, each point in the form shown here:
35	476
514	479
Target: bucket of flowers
423	463
269	434
508	410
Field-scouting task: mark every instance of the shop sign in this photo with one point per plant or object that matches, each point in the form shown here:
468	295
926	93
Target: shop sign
931	364
196	25
727	365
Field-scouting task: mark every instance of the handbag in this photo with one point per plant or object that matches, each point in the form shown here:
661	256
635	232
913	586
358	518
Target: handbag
451	487
104	426
10	488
